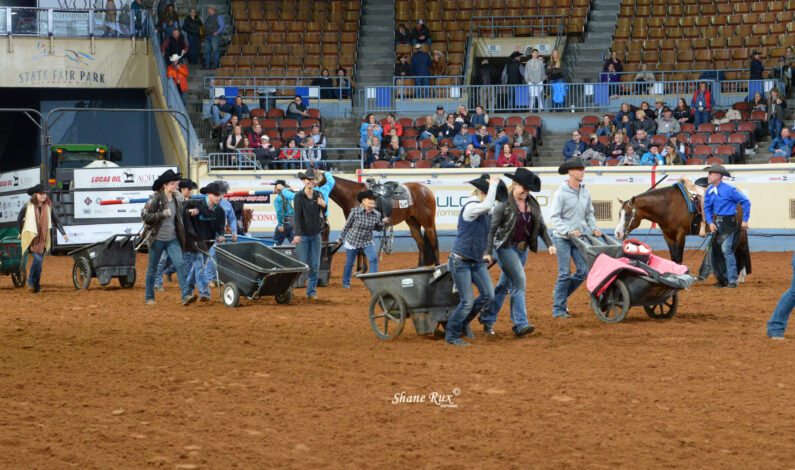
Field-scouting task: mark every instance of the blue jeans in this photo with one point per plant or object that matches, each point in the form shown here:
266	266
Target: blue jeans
422	82
774	127
194	43
175	253
567	283
350	260
164	266
728	255
778	321
34	275
209	267
309	253
280	237
512	280
701	117
194	263
464	274
211	52
498	143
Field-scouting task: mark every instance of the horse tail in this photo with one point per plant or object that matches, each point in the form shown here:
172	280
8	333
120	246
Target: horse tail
428	256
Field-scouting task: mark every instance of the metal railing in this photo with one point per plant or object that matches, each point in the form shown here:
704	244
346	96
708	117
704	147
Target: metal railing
246	159
553	97
660	75
542	24
457	79
54	22
259	82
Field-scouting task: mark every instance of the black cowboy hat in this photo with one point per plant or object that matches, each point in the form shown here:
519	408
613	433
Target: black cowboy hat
515	55
280	182
368	194
526	178
482	184
715	168
187	184
575	162
39	188
308	174
167	177
212	188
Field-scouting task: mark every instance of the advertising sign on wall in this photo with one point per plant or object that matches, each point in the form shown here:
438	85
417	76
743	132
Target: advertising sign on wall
86	234
118	177
87	204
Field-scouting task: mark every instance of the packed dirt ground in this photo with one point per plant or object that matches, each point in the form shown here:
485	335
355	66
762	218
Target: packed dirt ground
94	379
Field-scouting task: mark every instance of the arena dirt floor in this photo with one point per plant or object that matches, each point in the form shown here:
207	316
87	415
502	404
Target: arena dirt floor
94	379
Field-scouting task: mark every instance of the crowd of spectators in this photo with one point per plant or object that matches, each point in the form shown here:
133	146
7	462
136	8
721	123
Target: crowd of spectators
184	39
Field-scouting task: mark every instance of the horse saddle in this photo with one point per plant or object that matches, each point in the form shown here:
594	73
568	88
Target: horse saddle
389	195
694	194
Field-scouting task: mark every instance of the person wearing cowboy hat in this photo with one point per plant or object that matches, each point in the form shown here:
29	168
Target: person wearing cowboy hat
421	69
283	203
438	64
178	72
231	223
572	215
310	206
204	225
516	225
36	221
467	259
164	230
720	209
357	234
165	266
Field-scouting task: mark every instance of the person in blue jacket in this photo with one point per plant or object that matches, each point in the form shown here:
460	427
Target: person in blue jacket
575	147
782	146
421	69
652	157
283	202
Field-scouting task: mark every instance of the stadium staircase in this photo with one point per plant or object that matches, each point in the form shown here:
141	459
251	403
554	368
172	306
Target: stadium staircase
584	60
376	44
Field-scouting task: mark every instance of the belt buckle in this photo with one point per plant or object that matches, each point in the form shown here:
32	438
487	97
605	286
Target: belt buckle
521	246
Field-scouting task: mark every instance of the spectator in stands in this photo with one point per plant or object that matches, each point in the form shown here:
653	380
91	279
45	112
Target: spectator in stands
758	103
782	73
610	76
499	140
630	157
470	158
421	69
167	21
486	75
595	150
757	69
255	136
135	8
480	118
227	130
240	109
394	152
374	152
713	74
420	35
213	28
402	35
659	106
175	44
702	104
644	106
192	26
450	128
318	137
220	112
312	156
265	153
481	139
391	123
643	122
678	145
575	147
535	74
235	139
179	74
776	113
554	68
344	84
299	138
625	125
522	140
513	73
507	158
402	67
672	155
392	136
617	146
652	157
289	156
326	84
782	146
462	139
439	118
438	64
626	109
370	121
296	110
606	127
444	159
462	116
682	113
645	76
429	130
613	60
640	143
667	125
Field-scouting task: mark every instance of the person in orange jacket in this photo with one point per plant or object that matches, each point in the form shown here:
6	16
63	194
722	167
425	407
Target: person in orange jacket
179	73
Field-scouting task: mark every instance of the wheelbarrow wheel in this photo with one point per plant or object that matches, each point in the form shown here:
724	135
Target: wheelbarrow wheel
230	295
387	314
81	274
127	281
20	277
663	310
285	297
613	305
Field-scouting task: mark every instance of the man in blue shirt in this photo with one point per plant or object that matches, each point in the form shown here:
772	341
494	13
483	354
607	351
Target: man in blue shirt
231	222
573	148
782	146
720	209
652	157
421	70
220	112
283	202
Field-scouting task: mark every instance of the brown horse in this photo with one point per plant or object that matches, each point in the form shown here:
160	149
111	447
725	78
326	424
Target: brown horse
421	214
667	208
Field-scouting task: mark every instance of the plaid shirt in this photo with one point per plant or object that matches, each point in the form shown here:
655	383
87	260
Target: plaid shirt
359	227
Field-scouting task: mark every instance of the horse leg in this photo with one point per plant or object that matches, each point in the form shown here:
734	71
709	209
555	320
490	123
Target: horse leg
430	233
675	247
416	234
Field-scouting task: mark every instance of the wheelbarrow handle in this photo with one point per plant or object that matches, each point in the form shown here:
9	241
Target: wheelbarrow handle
335	248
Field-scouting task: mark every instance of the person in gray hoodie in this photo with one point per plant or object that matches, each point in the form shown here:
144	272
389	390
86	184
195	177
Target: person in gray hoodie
534	75
572	214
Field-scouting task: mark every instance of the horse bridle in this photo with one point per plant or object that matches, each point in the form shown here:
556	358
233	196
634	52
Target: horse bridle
631	219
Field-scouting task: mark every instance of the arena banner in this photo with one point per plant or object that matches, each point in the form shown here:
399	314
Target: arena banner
87	234
264	217
87	205
118	177
13	193
71	64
